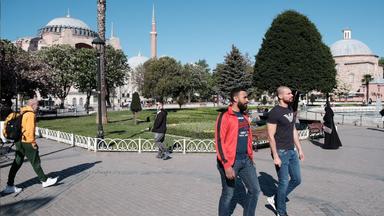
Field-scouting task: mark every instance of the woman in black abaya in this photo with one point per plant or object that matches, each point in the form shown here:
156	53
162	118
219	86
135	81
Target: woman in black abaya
331	140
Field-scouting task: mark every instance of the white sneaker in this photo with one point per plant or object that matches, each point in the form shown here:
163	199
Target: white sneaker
271	201
49	182
11	189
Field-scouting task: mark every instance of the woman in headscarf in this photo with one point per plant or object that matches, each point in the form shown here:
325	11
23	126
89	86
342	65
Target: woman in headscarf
331	140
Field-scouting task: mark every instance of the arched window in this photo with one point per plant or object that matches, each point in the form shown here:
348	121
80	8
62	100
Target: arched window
351	78
74	101
81	102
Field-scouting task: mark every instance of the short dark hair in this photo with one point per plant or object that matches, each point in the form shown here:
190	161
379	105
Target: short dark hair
235	92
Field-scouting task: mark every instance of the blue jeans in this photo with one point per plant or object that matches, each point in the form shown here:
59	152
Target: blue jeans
290	166
246	171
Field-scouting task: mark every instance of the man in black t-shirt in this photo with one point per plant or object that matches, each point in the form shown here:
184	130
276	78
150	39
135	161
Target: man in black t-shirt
284	141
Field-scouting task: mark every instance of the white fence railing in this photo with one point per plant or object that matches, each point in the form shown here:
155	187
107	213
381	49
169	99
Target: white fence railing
136	145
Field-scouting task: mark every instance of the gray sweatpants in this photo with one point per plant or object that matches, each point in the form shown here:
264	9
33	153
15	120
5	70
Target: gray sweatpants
159	140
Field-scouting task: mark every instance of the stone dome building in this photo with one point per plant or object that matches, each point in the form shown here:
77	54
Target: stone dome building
353	60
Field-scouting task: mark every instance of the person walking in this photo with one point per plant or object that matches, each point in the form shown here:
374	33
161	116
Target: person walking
159	129
331	140
27	146
286	149
233	142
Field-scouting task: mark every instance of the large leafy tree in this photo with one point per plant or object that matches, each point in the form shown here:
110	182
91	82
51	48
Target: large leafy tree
232	73
20	73
293	54
163	78
116	70
85	72
61	62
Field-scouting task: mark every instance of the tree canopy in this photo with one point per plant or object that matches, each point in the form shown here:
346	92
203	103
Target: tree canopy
293	54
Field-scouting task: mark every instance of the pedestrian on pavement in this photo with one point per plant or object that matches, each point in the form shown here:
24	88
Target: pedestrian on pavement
159	129
27	146
382	116
286	149
331	140
233	142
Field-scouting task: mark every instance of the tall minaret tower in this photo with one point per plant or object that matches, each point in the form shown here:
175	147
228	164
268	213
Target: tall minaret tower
153	35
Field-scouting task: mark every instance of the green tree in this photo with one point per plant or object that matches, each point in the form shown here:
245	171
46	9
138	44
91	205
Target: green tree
181	99
61	62
163	78
20	73
293	54
135	105
232	73
367	78
85	72
116	70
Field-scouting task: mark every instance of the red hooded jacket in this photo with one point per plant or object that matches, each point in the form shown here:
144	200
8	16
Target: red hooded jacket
226	135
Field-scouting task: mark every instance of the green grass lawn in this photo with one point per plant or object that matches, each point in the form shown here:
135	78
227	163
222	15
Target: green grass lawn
181	123
191	123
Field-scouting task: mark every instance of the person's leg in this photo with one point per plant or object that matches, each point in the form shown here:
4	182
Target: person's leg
249	176
17	162
158	142
33	157
240	196
282	173
227	193
294	171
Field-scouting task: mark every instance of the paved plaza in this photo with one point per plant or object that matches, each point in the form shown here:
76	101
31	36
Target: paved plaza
348	181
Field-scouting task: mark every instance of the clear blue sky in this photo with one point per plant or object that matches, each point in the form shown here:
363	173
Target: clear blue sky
200	29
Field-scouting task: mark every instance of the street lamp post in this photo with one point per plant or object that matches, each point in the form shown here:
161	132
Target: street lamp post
98	43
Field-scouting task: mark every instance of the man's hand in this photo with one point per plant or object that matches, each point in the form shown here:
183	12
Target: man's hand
301	155
277	161
34	145
230	173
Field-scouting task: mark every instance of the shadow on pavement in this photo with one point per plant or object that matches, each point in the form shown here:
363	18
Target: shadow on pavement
317	143
376	129
63	174
25	159
24	207
267	183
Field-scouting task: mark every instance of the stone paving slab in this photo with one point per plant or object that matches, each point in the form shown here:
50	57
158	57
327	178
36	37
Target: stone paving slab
348	181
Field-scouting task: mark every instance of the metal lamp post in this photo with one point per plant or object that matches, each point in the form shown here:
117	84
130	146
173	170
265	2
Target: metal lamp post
98	43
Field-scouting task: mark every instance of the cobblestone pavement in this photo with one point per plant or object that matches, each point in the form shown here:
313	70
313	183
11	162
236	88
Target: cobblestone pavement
348	181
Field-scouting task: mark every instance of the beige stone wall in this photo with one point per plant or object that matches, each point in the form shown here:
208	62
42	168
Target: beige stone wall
351	69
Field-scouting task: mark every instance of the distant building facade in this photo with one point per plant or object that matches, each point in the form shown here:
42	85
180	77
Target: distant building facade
353	60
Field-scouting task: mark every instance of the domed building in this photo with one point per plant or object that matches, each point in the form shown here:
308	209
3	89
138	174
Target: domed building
126	91
71	31
353	60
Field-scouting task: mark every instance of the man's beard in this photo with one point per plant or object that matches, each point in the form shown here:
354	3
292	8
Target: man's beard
242	107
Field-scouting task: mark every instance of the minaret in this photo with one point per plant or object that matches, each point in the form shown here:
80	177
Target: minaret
153	35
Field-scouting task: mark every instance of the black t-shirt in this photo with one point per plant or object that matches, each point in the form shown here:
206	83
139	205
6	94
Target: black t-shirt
284	120
242	139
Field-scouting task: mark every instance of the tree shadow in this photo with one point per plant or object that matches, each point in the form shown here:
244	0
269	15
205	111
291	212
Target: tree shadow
138	133
24	207
121	120
119	132
63	174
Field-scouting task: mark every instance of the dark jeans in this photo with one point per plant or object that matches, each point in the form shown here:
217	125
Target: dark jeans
246	171
290	167
22	150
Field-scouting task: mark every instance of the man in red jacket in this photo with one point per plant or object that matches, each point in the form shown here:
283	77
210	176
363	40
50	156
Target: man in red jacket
233	141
